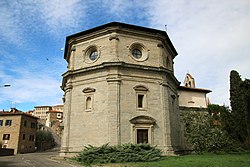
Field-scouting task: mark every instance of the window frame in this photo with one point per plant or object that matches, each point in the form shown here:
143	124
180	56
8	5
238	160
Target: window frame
6	138
89	93
25	123
33	125
31	137
141	105
1	122
91	97
87	53
141	91
8	122
136	46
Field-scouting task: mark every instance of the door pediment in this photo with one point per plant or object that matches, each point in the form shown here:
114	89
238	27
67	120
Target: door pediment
143	119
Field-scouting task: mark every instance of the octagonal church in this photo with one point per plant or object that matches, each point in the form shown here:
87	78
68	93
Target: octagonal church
120	88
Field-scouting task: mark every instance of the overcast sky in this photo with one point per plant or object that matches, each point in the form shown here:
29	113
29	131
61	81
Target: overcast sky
211	37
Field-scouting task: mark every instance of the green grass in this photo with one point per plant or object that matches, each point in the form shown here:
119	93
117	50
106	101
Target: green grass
205	160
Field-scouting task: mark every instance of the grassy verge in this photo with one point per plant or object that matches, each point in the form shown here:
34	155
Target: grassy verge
207	160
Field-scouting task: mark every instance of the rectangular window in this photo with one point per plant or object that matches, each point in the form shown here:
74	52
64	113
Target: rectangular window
31	138
140	101
8	122
25	123
33	125
6	136
23	136
1	122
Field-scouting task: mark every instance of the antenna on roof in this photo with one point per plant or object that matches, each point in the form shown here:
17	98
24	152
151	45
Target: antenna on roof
166	27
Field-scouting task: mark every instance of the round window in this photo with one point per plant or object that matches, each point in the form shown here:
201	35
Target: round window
136	53
93	55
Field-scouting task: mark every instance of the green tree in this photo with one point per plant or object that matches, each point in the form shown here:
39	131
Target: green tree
240	99
223	115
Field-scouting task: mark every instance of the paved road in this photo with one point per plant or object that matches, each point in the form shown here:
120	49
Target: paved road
38	159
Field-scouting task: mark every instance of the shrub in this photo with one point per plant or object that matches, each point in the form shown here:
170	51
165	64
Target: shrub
204	136
119	153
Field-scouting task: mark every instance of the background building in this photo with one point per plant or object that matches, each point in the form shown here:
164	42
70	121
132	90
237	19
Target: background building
18	131
40	111
190	96
120	88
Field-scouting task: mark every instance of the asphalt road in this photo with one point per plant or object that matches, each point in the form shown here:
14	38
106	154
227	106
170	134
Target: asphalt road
38	159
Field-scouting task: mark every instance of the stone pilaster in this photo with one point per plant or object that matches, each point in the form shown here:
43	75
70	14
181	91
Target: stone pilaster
66	120
114	132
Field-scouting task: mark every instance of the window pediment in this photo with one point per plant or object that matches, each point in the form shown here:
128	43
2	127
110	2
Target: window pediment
88	90
142	120
140	88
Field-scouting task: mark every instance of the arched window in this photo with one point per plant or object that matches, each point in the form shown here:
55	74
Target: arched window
88	103
89	98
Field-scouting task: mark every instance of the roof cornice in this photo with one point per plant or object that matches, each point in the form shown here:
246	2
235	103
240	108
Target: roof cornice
117	27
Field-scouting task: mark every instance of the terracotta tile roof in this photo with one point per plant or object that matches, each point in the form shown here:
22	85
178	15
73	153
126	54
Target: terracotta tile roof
16	113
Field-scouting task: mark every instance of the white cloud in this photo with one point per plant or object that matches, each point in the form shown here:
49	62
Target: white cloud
62	14
211	38
19	19
32	87
9	29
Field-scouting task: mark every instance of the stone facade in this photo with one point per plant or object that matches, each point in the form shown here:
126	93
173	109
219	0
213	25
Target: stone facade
120	88
18	131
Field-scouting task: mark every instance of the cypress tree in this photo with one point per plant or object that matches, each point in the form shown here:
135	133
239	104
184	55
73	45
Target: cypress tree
239	99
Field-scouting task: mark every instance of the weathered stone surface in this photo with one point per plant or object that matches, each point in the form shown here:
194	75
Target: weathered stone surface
120	82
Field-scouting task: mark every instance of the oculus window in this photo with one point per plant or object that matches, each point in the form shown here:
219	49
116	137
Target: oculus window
93	55
138	52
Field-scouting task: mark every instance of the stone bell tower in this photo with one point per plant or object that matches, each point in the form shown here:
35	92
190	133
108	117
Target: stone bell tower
120	88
